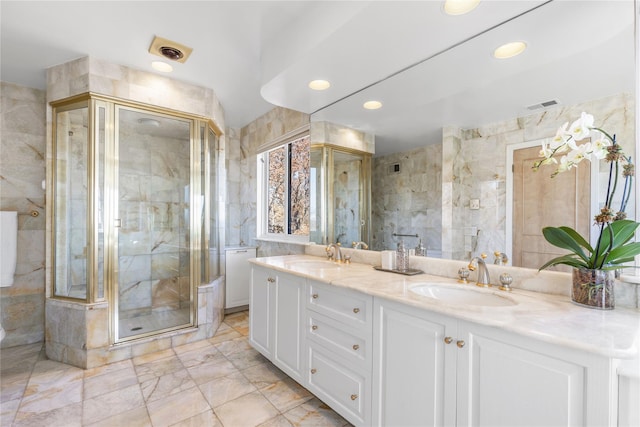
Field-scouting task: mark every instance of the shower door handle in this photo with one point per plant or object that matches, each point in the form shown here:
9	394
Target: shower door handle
117	223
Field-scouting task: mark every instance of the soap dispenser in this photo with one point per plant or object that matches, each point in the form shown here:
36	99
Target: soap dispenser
420	249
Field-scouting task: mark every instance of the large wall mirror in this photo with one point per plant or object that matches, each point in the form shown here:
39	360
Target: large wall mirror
451	126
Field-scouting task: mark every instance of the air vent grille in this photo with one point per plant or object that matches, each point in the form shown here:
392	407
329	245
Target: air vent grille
541	105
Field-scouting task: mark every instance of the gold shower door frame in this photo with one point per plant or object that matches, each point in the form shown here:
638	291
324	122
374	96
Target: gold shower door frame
201	130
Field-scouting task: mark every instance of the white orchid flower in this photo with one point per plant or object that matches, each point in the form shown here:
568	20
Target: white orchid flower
560	138
546	151
581	128
600	146
579	154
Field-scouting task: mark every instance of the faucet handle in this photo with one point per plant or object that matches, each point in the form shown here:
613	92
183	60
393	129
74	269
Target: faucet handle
483	255
505	280
463	275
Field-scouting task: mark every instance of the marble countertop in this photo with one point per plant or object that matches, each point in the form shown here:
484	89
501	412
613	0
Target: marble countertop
546	317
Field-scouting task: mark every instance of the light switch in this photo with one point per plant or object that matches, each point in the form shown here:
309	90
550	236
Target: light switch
474	204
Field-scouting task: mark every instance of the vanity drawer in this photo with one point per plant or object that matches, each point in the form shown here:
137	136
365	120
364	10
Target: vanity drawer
342	388
352	308
352	344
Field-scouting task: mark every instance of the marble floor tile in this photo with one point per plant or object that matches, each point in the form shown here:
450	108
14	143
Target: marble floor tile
279	421
208	354
137	417
314	413
237	344
177	407
158	368
166	385
249	410
206	418
218	382
222	390
52	390
286	394
225	335
264	375
67	416
109	381
113	403
246	358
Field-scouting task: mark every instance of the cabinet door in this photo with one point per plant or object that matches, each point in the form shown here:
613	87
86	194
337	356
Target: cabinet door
287	310
260	313
411	363
505	380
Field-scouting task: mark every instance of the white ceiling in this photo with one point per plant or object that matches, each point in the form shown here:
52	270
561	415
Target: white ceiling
259	53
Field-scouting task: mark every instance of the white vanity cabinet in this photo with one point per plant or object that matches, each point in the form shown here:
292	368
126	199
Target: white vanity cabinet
338	348
276	319
434	370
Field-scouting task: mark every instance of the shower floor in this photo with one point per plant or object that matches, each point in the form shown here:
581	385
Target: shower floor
153	321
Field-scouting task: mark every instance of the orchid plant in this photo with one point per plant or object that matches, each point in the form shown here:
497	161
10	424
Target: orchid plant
614	246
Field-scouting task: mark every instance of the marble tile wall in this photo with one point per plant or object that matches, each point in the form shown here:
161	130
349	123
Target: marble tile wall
408	201
22	165
242	178
480	164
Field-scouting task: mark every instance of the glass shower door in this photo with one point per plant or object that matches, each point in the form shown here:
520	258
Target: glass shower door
153	204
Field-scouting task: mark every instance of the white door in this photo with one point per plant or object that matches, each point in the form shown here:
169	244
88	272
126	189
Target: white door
414	367
501	384
260	314
287	311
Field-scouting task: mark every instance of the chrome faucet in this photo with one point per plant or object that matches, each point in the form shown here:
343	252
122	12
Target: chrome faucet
337	254
483	273
501	258
363	245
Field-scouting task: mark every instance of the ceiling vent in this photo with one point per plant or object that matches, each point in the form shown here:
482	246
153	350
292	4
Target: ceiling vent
169	49
542	105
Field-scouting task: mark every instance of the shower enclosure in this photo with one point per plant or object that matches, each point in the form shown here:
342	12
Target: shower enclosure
134	221
341	189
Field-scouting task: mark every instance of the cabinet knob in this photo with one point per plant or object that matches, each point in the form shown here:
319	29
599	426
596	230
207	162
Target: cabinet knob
356	310
356	346
354	396
271	280
313	371
314	327
448	340
460	344
314	296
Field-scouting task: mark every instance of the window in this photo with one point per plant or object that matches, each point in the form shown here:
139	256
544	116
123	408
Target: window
284	194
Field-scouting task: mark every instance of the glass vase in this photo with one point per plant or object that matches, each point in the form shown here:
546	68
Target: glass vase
593	288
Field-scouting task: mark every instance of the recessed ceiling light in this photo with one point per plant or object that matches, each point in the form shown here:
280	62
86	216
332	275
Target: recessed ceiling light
372	105
161	66
460	7
319	84
509	50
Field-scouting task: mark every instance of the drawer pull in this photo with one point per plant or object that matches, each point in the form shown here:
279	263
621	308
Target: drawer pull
356	346
271	280
313	371
314	296
448	340
314	327
460	344
356	310
354	396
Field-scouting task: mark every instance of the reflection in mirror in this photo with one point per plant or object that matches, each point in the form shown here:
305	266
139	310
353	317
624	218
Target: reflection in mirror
441	168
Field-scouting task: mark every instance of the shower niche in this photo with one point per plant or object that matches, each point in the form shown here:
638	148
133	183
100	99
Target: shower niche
133	192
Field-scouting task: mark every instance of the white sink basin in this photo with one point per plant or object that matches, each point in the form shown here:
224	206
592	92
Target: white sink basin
461	295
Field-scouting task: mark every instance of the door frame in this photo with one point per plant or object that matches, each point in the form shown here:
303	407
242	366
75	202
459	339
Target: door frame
594	206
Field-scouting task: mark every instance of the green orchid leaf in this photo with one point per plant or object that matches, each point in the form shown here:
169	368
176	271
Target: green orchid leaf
577	237
616	235
569	260
617	255
562	239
